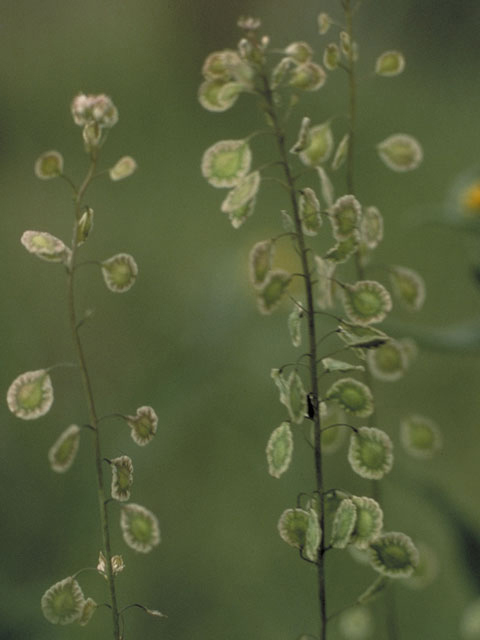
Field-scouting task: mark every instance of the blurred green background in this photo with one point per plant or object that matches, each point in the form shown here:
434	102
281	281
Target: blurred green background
188	339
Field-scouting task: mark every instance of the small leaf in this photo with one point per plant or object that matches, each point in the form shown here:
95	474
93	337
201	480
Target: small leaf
366	302
273	290
297	398
243	192
279	450
353	396
30	395
294	325
225	162
369	522
343	524
282	385
260	262
341	152
49	165
319	147
143	425
119	272
122	478
394	555
408	287
62	454
139	528
390	63
420	436
63	602
370	453
123	168
400	152
45	246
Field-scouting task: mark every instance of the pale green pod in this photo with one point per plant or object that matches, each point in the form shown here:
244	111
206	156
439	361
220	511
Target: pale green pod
324	22
122	478
368	524
281	384
140	528
356	623
361	336
313	536
388	362
331	56
212	97
123	168
245	190
143	425
320	145
281	71
470	621
326	186
390	63
309	211
49	165
63	602
353	396
225	162
30	395
45	246
343	524
400	152
287	222
408	286
366	302
119	272
294	325
345	217
84	226
218	64
341	152
333	438
344	249
300	528
323	289
279	450
339	366
299	51
260	262
370	453
273	290
371	227
89	607
296	398
393	555
62	454
302	139
420	436
238	216
308	76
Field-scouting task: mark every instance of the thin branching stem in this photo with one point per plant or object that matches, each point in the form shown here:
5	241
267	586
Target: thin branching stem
90	400
312	337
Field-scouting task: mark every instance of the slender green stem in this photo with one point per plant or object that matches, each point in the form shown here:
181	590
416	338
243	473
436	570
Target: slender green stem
90	401
312	337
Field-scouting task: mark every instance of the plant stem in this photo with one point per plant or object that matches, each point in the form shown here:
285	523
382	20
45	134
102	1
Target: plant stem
90	401
312	339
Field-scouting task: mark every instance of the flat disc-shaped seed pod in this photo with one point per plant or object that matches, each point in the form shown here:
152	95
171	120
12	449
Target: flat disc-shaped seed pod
369	521
319	147
308	76
344	249
123	168
122	478
273	290
45	246
244	190
400	152
143	425
408	287
279	450
213	97
119	272
390	63
30	395
420	436
300	528
366	302
341	152
62	454
49	165
370	453
309	210
353	396
139	528
371	227
260	261
343	524
394	555
63	602
225	162
238	216
296	398
89	607
388	362
295	325
323	286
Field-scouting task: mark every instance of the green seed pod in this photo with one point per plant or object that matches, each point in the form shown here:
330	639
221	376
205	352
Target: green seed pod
62	454
45	246
331	56
63	602
326	186
400	152
299	51
308	76
260	262
330	365
408	286
119	272
123	168
325	270
345	217
273	290
302	139
218	64
281	71
238	216
294	325
140	528
122	478
371	227
245	190
300	528
309	211
143	425
390	63
356	623
332	439
319	147
279	450
344	249
388	361
324	23
393	555
343	524
353	396
212	97
341	152
225	162
296	398
89	607
281	384
366	302
420	436
371	453
369	522
49	165
30	395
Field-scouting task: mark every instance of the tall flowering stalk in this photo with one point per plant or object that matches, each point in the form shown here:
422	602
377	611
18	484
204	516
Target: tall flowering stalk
327	390
31	394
